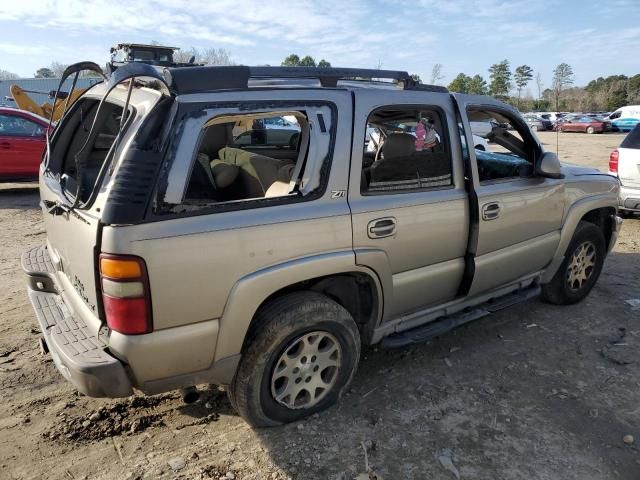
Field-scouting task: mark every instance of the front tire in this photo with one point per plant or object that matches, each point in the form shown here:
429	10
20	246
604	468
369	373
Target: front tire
580	269
591	130
300	358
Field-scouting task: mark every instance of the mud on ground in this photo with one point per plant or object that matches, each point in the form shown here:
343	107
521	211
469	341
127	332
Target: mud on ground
535	391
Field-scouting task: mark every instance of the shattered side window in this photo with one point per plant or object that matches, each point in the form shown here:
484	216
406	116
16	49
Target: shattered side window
235	156
509	153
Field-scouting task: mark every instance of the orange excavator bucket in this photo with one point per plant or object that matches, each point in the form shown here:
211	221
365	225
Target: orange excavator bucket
46	110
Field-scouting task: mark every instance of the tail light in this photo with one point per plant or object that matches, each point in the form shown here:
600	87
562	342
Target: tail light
613	162
125	294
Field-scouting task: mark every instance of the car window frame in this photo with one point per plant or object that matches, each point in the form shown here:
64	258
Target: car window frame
525	133
443	135
159	211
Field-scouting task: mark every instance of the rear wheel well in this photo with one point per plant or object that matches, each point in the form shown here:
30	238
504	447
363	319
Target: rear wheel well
603	219
355	291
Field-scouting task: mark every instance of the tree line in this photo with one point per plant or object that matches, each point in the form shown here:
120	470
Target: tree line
602	94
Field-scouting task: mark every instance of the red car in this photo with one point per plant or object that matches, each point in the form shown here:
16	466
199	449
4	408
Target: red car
22	141
585	124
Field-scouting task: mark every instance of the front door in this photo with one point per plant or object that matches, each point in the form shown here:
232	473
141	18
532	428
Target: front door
407	197
520	213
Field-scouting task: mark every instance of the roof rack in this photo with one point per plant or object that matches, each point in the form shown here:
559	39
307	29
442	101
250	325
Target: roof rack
206	79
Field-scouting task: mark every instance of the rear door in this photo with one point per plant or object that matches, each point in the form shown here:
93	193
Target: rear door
216	235
72	232
409	206
520	214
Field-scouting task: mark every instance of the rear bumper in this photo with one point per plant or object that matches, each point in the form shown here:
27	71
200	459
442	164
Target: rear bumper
80	357
630	198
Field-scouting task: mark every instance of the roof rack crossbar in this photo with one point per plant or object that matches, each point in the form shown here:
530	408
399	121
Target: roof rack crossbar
330	74
201	79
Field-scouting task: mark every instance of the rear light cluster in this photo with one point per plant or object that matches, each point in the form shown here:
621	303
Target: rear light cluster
613	161
125	294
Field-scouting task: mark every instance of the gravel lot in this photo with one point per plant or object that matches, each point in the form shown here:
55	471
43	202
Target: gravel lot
535	391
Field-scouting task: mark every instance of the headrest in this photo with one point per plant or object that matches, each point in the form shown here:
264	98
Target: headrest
215	137
224	174
399	145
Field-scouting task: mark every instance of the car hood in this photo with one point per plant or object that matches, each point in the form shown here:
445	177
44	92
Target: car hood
578	170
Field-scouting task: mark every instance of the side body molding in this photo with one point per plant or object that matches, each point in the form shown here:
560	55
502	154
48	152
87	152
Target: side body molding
252	290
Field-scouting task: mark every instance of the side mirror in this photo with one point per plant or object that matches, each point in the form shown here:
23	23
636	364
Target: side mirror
549	166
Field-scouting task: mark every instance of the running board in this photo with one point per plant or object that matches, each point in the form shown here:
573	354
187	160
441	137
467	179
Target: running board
445	324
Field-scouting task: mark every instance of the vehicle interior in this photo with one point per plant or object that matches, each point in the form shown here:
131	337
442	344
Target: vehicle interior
393	157
241	158
78	144
511	153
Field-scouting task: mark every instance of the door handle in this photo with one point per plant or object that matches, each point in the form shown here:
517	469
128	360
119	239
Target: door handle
5	145
491	211
381	227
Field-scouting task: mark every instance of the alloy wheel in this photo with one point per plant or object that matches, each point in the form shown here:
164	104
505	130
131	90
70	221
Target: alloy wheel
306	370
581	265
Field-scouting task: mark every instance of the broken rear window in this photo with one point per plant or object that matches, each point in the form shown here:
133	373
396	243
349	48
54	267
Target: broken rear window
79	151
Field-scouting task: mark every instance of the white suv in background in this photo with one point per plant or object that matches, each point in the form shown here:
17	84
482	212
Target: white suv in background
624	163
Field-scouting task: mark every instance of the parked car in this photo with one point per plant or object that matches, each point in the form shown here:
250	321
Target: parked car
624	119
22	142
553	117
268	138
482	128
175	258
624	163
562	120
584	124
538	124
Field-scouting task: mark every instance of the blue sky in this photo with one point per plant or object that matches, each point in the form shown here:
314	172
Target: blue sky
597	38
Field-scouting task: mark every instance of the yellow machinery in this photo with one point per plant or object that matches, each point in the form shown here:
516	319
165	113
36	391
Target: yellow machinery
25	102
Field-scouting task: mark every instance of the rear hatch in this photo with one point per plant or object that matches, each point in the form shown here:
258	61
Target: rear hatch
629	159
82	160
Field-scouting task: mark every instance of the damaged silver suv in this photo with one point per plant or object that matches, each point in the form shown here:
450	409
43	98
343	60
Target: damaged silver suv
252	226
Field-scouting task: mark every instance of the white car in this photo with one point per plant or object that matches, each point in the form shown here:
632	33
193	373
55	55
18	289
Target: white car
481	129
287	122
624	163
626	118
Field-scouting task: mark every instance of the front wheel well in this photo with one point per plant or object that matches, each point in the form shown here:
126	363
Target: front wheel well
357	292
603	218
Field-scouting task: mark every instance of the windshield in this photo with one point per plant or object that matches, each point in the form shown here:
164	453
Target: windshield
633	139
148	55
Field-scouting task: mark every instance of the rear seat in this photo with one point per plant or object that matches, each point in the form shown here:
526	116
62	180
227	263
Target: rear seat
256	172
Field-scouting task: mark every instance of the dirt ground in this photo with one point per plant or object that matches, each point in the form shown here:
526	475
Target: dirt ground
534	391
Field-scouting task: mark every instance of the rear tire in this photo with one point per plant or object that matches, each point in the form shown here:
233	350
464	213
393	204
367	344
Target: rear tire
301	357
591	130
580	269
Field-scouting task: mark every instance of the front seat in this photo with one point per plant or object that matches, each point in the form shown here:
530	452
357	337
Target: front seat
398	145
397	159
